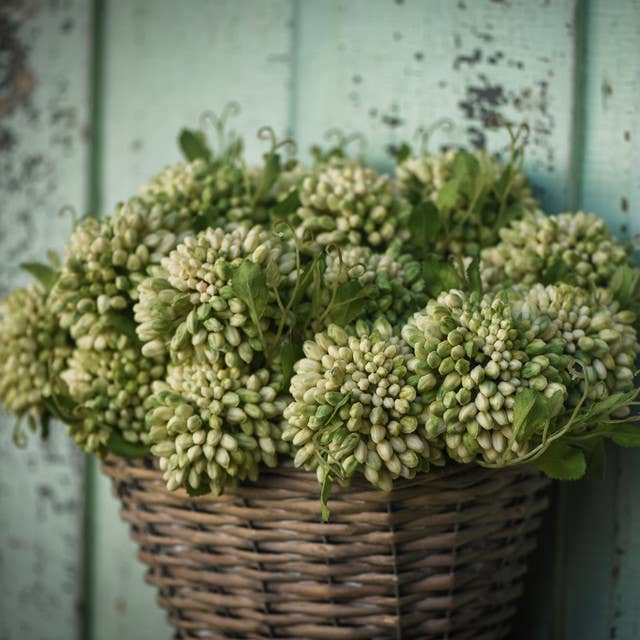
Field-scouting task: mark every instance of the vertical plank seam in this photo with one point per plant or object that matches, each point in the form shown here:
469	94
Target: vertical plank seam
93	197
578	119
573	202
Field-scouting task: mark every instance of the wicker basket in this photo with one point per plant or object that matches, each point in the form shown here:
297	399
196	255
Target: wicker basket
439	557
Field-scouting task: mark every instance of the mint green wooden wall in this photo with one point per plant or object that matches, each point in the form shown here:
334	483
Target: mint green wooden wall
91	95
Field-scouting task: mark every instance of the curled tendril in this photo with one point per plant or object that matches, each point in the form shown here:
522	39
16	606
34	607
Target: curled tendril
343	140
267	134
518	135
424	135
69	210
219	123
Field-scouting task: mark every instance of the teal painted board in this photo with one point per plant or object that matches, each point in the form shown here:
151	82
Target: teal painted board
163	64
44	127
603	519
384	68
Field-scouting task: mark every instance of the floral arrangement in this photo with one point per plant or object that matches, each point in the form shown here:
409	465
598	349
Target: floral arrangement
231	316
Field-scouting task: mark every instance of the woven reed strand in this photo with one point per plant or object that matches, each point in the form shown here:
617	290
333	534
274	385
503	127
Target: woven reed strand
441	557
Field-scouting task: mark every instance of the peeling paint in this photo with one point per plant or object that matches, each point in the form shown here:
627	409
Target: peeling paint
606	91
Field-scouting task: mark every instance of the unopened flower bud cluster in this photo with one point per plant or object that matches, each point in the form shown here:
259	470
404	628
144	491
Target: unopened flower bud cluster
530	247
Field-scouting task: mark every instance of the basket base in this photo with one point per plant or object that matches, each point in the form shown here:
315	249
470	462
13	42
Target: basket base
439	557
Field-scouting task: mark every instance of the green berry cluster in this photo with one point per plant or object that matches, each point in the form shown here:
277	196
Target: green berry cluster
356	408
344	202
578	247
33	350
211	426
192	308
474	194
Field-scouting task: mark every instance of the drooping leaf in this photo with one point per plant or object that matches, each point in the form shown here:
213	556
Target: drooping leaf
54	259
530	414
424	225
42	272
562	462
627	436
448	194
346	398
474	280
557	271
350	300
249	283
595	457
625	284
117	445
401	152
439	275
286	207
125	325
270	173
193	145
290	353
465	170
324	497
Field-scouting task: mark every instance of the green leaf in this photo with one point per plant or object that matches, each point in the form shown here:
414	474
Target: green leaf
595	457
349	302
439	275
125	325
324	497
465	170
202	490
400	153
249	283
205	221
424	225
54	259
117	445
336	409
530	414
474	280
448	195
193	145
61	406
625	435
562	462
557	271
270	173
624	285
286	207
42	272
290	353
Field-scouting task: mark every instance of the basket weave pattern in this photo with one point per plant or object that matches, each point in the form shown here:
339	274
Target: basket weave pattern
440	557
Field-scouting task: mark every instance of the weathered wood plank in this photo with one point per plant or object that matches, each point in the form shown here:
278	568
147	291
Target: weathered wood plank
417	62
44	124
164	64
603	550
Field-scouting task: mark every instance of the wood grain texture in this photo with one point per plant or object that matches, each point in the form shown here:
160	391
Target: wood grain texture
164	64
602	557
384	68
43	152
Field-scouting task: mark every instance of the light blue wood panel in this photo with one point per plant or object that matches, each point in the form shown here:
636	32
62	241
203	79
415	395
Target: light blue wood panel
163	64
384	68
603	519
44	132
